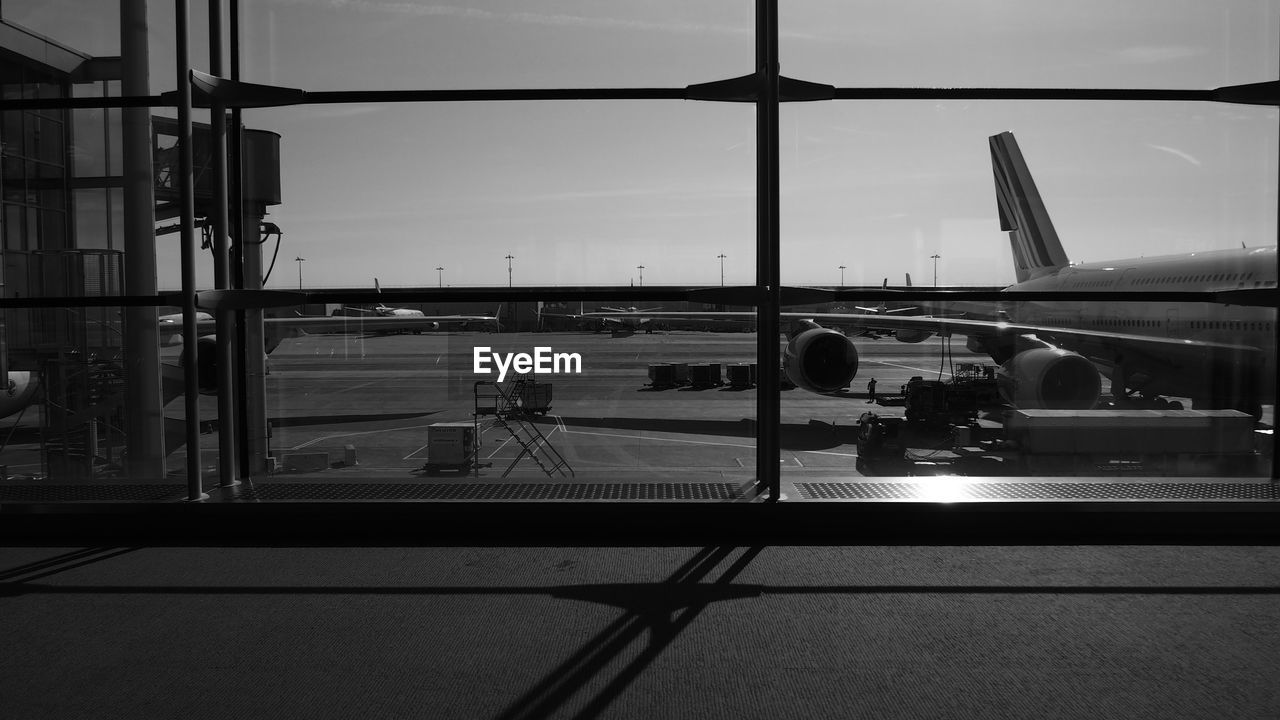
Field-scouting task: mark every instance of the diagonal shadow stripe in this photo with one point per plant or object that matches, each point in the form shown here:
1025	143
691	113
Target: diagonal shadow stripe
62	563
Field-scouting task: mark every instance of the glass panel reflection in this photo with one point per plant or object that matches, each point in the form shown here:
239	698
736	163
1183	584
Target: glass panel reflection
1022	389
596	396
63	416
577	193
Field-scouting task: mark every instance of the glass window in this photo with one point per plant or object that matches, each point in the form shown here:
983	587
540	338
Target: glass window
1008	43
14	237
881	202
395	46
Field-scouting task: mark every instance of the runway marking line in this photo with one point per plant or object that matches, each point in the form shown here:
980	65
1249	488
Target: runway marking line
904	367
643	437
357	387
313	441
691	442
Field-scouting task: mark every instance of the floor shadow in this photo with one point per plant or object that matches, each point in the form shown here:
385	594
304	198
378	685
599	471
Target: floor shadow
660	610
61	563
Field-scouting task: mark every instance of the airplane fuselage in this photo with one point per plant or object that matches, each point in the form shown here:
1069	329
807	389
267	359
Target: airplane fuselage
1216	271
1251	328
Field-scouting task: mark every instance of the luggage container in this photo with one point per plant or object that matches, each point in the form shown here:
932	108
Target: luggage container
451	446
741	375
704	375
662	375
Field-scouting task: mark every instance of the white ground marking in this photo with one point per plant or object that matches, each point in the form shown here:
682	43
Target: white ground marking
313	441
357	387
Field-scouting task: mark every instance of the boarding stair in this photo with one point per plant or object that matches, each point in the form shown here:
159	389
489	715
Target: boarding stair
507	406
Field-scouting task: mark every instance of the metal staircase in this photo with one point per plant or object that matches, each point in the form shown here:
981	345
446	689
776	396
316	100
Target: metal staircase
507	405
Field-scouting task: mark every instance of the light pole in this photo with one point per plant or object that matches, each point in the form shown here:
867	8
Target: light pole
509	258
440	275
722	257
300	260
935	268
641	269
841	276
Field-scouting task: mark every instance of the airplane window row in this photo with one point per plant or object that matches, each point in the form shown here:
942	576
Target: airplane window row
1239	325
1230	325
1124	322
1219	277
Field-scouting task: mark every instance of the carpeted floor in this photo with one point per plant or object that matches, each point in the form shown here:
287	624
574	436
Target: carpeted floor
715	632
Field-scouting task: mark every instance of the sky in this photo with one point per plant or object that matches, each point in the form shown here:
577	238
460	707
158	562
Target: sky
584	193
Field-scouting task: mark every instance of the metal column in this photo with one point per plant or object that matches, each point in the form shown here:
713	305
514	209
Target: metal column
225	319
768	355
144	431
186	180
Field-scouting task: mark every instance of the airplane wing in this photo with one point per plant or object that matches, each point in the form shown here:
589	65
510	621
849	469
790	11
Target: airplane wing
997	328
884	310
1088	342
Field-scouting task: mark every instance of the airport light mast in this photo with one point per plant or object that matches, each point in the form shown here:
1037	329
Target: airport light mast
509	259
440	276
641	269
300	260
841	276
935	257
722	257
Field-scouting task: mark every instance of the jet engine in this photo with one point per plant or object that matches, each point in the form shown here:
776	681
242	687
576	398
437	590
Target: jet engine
820	360
1050	378
18	392
912	336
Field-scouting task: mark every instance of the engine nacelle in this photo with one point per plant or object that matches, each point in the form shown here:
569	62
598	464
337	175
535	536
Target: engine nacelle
1049	378
911	336
18	392
206	363
820	360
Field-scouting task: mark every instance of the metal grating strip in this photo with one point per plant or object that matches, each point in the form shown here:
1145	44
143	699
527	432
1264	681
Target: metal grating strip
493	491
961	491
91	493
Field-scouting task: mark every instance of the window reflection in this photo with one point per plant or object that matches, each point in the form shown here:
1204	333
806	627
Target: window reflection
603	396
1085	389
618	194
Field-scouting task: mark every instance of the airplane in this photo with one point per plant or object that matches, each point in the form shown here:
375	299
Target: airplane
620	320
1055	354
384	311
883	308
433	323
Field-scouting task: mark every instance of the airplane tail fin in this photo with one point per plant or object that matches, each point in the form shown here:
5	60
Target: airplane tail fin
1036	248
908	279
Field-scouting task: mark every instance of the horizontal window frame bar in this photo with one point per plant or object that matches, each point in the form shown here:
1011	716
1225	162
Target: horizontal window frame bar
1262	93
722	295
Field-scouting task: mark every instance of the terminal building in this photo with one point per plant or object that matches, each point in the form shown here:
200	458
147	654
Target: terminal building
141	225
488	459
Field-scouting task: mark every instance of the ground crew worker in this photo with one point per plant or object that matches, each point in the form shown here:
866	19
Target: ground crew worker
871	391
